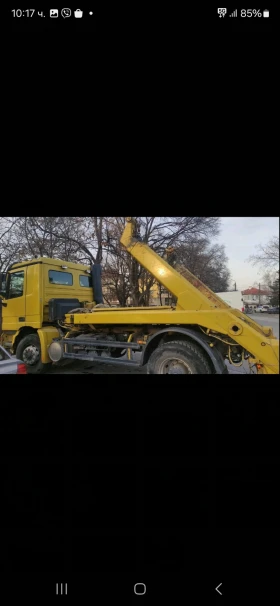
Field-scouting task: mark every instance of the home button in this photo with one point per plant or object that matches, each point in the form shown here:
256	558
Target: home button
140	588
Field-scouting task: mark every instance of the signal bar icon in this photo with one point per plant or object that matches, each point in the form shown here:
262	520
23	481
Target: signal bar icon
234	14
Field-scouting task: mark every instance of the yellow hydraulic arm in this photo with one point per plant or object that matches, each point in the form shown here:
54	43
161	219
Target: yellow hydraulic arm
191	293
193	296
197	306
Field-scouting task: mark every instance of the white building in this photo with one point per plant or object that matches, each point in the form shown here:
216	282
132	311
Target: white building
255	296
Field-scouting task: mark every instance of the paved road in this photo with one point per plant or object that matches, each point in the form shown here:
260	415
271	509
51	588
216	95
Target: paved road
78	367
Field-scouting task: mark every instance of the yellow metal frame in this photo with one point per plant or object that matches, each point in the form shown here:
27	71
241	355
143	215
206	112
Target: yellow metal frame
196	305
264	347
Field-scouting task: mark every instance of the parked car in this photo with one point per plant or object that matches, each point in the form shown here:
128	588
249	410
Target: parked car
273	310
9	365
262	309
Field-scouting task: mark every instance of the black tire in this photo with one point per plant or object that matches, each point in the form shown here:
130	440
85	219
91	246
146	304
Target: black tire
29	351
179	357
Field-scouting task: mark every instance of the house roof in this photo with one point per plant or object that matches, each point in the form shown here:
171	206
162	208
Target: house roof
255	291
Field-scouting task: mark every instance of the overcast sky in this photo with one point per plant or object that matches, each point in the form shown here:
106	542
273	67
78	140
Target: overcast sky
241	235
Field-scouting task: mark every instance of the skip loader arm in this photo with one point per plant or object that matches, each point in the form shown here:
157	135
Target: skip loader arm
190	292
199	319
205	308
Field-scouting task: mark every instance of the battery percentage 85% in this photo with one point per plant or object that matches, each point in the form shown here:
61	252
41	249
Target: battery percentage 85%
251	12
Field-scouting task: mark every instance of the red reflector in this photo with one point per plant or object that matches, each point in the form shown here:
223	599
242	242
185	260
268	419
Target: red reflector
21	369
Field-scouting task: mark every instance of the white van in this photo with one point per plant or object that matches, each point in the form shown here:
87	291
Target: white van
234	299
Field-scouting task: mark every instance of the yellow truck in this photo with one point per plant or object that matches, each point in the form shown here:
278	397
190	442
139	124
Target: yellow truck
35	297
54	310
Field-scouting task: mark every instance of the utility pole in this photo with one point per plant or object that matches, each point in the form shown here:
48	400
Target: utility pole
259	294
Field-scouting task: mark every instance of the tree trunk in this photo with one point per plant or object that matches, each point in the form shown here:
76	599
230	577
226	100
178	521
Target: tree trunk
135	292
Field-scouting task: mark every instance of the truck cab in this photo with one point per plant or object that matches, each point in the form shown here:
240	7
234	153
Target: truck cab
35	295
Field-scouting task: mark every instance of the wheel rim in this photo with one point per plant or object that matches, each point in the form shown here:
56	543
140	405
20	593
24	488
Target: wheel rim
31	355
174	366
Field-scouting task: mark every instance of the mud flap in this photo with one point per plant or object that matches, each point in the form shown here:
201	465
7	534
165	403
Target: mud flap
46	336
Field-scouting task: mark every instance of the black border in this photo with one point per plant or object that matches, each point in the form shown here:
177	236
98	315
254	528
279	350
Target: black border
82	419
164	159
122	19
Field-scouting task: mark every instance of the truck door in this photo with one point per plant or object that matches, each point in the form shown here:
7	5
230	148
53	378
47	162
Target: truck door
13	313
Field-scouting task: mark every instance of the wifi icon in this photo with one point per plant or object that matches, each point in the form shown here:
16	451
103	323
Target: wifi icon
234	14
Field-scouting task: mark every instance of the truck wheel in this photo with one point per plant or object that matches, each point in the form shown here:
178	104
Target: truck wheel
29	351
178	358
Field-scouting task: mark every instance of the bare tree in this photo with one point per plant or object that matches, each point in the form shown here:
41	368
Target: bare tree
270	283
267	256
207	262
268	278
275	291
10	245
160	233
77	239
97	239
66	238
